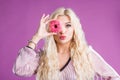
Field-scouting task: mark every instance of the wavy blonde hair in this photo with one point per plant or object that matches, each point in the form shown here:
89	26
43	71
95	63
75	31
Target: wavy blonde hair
48	69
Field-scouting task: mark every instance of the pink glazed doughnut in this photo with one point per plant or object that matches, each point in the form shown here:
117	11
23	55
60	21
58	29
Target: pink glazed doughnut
54	26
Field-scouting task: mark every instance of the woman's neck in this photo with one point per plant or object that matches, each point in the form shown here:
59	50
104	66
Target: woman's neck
63	48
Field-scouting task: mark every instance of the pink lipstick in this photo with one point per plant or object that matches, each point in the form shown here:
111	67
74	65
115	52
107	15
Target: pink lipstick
62	37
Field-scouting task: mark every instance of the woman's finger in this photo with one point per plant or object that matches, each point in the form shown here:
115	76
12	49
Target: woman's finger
42	18
43	15
52	33
46	17
49	21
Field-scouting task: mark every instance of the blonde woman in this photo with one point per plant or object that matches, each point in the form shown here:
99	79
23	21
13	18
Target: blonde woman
66	54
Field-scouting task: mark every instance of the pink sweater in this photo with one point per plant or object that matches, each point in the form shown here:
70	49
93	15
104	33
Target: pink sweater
27	63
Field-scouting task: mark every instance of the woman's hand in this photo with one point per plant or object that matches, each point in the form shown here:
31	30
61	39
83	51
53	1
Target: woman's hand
42	31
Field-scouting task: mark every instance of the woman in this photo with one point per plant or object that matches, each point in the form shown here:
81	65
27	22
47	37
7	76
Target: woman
66	55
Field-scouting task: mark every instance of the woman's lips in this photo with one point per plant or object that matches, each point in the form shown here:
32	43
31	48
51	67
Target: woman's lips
62	37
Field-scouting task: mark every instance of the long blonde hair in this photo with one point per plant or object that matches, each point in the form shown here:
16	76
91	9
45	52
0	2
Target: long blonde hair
48	69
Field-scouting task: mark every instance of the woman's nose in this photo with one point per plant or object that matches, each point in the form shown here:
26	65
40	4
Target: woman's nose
63	30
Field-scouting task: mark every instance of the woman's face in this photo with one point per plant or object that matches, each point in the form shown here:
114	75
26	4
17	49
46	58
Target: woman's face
66	33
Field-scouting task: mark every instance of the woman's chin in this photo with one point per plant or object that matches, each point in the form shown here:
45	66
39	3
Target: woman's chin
63	42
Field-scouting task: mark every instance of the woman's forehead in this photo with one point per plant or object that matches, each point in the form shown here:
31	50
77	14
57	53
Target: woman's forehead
63	18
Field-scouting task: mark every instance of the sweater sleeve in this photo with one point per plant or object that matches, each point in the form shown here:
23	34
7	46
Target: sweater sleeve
101	67
26	62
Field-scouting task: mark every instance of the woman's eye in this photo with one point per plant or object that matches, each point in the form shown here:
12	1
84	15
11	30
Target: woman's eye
68	25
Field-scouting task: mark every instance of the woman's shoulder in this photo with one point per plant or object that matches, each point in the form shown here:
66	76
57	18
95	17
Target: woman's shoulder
94	55
100	65
92	51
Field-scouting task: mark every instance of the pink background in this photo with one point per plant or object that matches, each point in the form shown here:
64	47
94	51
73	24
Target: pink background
19	20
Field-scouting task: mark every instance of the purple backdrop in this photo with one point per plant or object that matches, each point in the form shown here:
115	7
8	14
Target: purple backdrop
19	20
